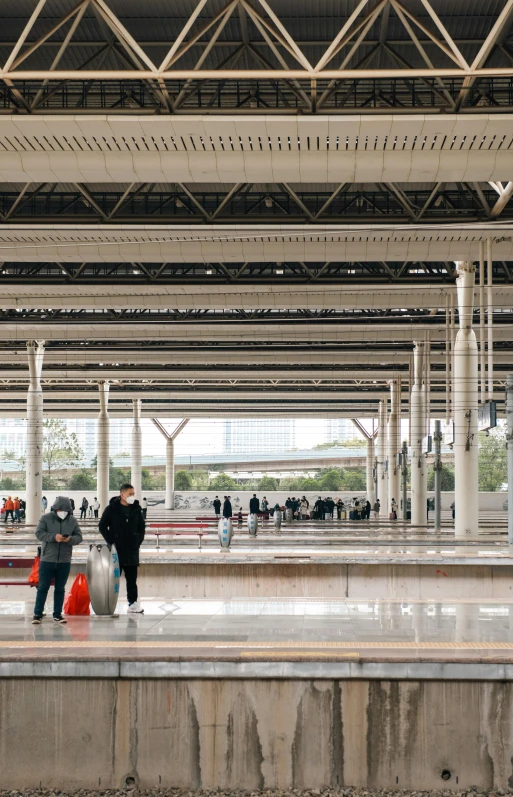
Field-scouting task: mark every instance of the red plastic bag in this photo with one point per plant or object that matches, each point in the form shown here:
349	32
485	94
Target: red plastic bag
33	578
77	600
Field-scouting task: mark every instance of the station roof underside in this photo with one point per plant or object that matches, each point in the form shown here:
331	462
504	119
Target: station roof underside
248	208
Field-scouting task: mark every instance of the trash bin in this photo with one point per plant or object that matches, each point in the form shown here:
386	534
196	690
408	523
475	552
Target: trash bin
252	524
102	573
225	532
343	514
277	520
289	515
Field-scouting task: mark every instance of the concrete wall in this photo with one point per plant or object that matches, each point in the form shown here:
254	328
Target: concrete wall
202	501
255	734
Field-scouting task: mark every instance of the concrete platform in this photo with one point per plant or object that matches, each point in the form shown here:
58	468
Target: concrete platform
268	694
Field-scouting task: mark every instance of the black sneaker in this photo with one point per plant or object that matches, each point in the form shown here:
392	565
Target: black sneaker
60	619
37	619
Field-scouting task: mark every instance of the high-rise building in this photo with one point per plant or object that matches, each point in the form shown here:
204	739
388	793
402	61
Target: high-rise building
13	436
340	429
247	436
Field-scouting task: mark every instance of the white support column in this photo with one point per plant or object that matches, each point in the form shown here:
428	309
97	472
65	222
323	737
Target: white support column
102	455
381	483
465	407
482	335
418	429
136	475
170	474
447	360
489	292
170	459
394	444
371	494
34	462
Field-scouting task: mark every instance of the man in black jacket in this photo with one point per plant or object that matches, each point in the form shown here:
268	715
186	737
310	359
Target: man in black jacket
254	505
227	507
122	525
217	506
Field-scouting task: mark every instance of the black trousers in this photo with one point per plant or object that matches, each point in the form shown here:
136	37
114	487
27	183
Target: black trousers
130	572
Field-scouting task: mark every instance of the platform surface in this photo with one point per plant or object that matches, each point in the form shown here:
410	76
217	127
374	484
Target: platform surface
241	637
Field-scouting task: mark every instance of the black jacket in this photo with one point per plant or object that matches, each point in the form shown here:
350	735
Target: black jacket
217	506
227	509
254	506
125	532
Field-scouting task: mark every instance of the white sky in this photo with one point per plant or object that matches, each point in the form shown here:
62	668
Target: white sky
205	436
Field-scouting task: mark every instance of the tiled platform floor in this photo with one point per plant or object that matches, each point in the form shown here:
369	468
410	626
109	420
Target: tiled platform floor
291	629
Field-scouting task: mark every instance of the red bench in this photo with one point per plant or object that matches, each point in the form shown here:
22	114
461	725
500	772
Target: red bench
192	532
6	563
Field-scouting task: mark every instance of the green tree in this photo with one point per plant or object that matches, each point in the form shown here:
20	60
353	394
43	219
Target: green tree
353	442
268	483
61	449
146	479
9	456
447	474
309	484
8	483
492	458
332	480
159	481
117	476
223	482
183	480
82	480
290	483
200	479
354	480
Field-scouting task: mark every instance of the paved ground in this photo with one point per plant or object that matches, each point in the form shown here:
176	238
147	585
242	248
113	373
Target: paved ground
269	630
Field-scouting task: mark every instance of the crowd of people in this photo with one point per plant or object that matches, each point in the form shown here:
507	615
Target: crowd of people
299	508
12	509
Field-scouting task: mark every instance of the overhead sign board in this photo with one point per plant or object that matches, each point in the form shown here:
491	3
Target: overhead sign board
427	444
487	416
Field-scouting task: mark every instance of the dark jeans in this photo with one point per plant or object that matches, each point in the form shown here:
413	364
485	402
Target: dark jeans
130	572
48	570
144	513
96	513
9	512
83	513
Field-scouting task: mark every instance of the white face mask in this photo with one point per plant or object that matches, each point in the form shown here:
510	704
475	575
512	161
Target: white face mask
130	499
63	515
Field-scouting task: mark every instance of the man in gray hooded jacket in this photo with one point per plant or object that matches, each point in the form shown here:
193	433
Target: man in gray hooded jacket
57	531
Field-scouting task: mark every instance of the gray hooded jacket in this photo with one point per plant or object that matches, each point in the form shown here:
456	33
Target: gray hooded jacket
50	524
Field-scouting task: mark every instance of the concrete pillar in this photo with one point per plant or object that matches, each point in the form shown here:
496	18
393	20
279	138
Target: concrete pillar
509	447
136	475
465	407
102	455
371	493
489	292
394	444
34	462
381	484
482	336
170	474
418	430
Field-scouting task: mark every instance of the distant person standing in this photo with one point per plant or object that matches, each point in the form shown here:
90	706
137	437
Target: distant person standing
9	509
367	509
96	507
305	506
122	525
16	506
83	508
265	504
227	507
144	507
72	505
393	510
44	503
376	508
319	509
254	505
217	506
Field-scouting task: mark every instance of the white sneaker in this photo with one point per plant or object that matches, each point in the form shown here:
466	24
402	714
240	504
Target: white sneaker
135	608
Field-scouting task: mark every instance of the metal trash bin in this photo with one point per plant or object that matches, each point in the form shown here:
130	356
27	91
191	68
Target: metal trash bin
102	573
225	532
277	519
288	515
253	525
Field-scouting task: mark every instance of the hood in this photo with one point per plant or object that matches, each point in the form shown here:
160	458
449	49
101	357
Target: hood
62	503
117	500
